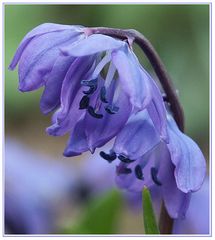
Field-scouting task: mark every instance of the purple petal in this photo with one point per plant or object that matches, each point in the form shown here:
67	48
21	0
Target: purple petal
157	112
190	165
137	137
176	201
64	124
197	219
51	95
133	80
91	45
77	143
150	159
141	89
71	95
38	31
39	57
99	131
130	181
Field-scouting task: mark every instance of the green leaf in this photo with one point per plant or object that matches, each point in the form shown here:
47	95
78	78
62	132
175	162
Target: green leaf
101	216
148	214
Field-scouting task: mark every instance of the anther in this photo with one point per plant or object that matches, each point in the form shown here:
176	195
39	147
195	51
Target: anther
154	173
109	157
138	172
125	159
89	83
111	109
123	170
91	90
84	103
103	95
92	112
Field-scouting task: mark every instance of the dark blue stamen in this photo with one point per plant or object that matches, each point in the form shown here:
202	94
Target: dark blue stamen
138	172
123	170
84	103
89	83
109	157
92	112
125	159
91	90
154	173
103	95
111	109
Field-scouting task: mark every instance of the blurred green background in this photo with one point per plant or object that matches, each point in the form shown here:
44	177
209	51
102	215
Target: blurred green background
179	33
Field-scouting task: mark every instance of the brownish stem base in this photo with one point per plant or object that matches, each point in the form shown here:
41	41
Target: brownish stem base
165	222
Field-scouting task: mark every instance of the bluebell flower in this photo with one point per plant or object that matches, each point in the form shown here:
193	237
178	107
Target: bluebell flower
198	215
94	82
176	168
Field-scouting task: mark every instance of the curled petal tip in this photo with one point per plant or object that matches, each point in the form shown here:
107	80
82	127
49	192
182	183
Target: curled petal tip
11	67
68	153
52	131
92	149
23	87
44	110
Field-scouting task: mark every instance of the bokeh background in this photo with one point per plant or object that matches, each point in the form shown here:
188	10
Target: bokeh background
60	195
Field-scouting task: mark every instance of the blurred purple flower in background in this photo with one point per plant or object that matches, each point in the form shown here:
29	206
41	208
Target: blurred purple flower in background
38	190
35	189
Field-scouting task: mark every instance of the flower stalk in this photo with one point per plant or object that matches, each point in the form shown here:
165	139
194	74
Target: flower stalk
131	35
134	36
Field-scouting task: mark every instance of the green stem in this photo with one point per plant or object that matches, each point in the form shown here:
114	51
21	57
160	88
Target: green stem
149	219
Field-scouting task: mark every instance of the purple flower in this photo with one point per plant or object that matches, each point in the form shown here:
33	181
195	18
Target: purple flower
198	214
36	190
176	168
95	83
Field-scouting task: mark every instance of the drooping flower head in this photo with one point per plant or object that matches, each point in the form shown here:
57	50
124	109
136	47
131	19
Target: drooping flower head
98	90
176	168
94	82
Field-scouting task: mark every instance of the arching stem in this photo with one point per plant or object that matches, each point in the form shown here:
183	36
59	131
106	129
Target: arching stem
156	63
165	223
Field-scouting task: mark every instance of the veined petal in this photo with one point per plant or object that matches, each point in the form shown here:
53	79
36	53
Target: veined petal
176	201
39	56
50	98
77	143
93	44
80	69
64	123
190	165
156	110
130	181
198	214
99	131
71	95
137	137
134	81
38	31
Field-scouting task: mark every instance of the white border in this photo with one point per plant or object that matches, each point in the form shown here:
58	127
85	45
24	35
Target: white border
212	66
